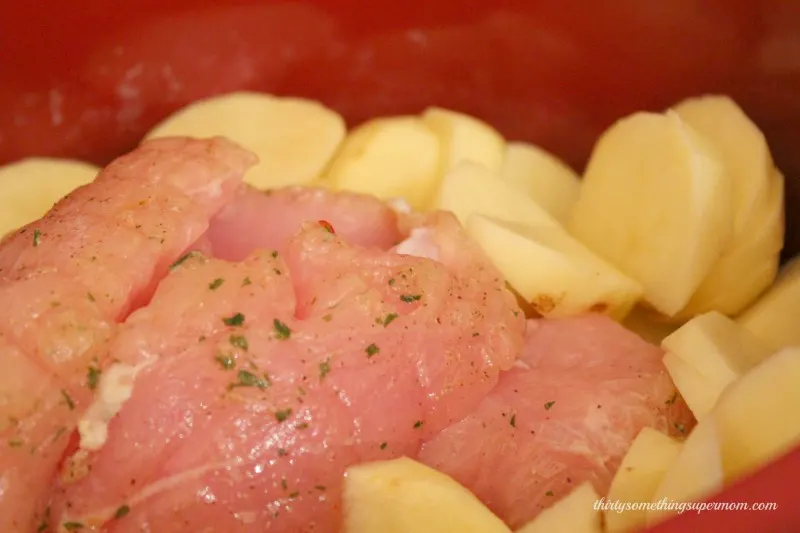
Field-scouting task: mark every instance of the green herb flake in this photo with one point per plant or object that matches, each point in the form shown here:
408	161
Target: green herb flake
72	526
68	400
282	452
513	421
36	237
383	445
122	511
372	349
235	320
550	404
274	254
181	260
282	331
239	341
216	284
93	377
226	361
548	493
672	399
293	495
15	443
516	313
328	317
246	281
418	424
248	379
324	369
408	298
391	282
320	487
283	414
389	318
90	296
284	484
302	425
680	427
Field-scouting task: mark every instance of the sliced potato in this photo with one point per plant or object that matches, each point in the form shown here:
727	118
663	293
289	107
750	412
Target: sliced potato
655	202
773	318
649	327
695	474
30	187
393	157
465	138
404	496
553	271
719	349
742	146
542	176
472	188
692	385
749	265
575	513
294	138
639	475
757	415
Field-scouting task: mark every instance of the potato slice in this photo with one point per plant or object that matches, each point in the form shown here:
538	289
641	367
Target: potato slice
743	148
719	350
655	202
465	138
749	265
293	138
692	385
575	513
639	475
695	474
773	318
542	176
757	415
551	270
30	187
393	157
404	496
649	327
472	188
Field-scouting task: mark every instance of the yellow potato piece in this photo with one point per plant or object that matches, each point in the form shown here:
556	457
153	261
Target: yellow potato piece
542	176
695	474
553	271
464	138
404	496
749	265
294	138
720	350
30	187
389	158
757	415
773	318
575	513
655	202
649	327
692	385
472	188
642	469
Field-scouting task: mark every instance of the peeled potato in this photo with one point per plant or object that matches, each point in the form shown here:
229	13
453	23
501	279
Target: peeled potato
542	176
773	318
719	349
464	138
749	265
30	187
638	477
575	513
757	415
655	202
553	271
472	188
692	385
404	496
389	158
293	138
695	474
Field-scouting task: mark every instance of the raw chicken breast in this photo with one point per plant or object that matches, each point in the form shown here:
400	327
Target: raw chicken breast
254	219
66	279
255	384
567	413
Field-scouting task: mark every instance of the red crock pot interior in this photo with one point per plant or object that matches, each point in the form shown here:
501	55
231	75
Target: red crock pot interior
86	79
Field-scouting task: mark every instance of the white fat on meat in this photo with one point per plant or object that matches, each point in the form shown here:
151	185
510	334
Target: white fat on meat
115	388
421	243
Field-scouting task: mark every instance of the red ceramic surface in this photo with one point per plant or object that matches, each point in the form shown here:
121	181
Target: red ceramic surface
87	78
